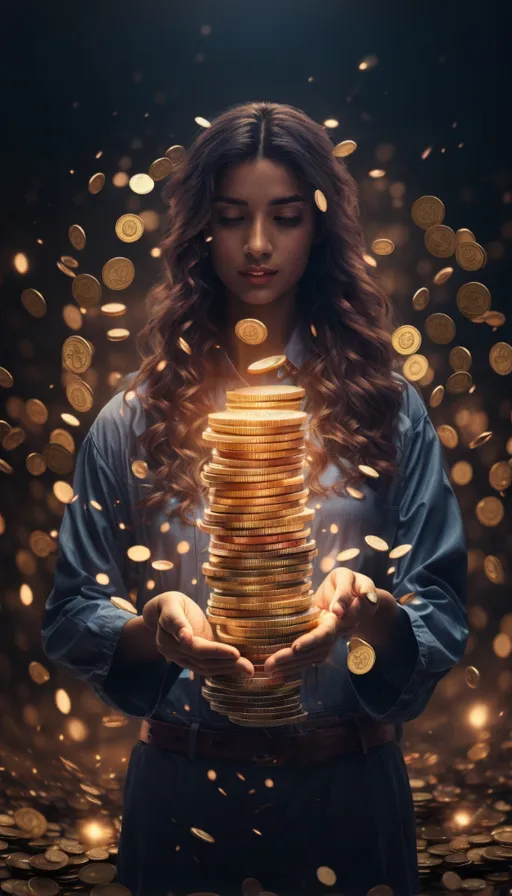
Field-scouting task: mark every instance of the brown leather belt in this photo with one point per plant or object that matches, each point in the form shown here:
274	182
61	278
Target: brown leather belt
323	739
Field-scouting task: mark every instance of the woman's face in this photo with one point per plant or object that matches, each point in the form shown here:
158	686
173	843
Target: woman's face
252	231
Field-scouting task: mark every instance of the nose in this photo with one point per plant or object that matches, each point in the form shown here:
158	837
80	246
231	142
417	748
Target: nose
258	243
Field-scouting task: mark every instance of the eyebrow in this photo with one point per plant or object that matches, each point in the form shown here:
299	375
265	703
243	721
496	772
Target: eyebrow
282	200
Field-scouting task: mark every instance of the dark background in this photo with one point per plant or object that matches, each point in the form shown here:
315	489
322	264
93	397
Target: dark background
128	79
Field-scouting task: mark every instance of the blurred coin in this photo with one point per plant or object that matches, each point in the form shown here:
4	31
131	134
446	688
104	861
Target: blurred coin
86	290
500	358
500	475
58	459
458	382
447	435
118	273
65	270
420	299
96	183
440	328
383	246
344	149
31	820
472	676
320	200
490	511
443	276
465	236
77	237
80	396
415	367
129	228
436	397
176	154
427	211
6	379
33	302
141	184
494	569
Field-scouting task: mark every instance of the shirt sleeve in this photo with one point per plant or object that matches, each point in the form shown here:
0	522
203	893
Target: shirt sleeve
81	626
432	631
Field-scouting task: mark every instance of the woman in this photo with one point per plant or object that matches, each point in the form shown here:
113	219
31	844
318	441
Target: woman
205	806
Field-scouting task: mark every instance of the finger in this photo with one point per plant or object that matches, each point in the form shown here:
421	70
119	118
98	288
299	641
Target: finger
202	648
325	631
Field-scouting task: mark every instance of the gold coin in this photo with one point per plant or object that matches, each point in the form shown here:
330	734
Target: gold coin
251	331
266	442
251	394
65	270
494	569
69	261
472	676
490	511
36	410
176	154
33	302
96	182
470	256
500	475
240	504
248	464
266	364
6	378
142	184
79	395
289	524
262	418
465	236
440	328
443	276
129	228
420	299
427	211
122	604
218	474
440	241
306	549
473	299
494	318
97	873
58	459
436	396
344	149
406	340
31	820
289	432
118	273
117	334
62	437
500	358
35	464
415	367
447	435
361	660
460	358
320	201
76	354
459	382
269	405
236	565
378	544
16	436
160	168
383	246
77	237
86	290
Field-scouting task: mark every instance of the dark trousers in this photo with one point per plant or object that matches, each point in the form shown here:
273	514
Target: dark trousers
352	814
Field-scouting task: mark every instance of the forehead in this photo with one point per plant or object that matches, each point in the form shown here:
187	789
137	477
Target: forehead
260	179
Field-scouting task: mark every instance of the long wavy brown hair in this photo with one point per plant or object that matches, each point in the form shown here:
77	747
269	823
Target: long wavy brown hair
351	395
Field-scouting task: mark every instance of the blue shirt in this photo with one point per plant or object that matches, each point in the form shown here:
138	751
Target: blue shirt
81	626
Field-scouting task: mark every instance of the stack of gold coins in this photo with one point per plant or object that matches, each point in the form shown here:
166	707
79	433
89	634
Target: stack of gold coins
260	554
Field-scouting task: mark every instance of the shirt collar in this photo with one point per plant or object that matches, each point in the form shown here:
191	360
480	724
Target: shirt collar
295	350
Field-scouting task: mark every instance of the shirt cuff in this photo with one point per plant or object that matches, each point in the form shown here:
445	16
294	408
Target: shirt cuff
134	690
398	670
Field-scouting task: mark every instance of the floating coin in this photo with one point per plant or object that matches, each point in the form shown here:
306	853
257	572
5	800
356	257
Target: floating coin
129	228
427	211
160	168
118	273
35	464
436	396
500	475
447	435
250	394
406	340
251	331
470	256
141	184
65	270
472	676
383	246
490	511
344	149
96	183
176	154
266	364
440	241
460	358
320	201
6	379
442	276
361	659
378	544
459	382
473	299
420	299
77	237
16	436
80	396
58	459
76	354
122	604
500	358
86	290
465	236
33	302
118	334
440	328
36	410
415	367
494	569
69	261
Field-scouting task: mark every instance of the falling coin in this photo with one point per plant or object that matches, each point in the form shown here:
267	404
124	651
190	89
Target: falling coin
361	659
440	328
471	256
77	238
436	396
320	201
176	154
406	340
118	273
129	228
500	358
80	396
473	299
443	276
415	367
86	290
96	183
251	331
160	168
383	247
141	184
427	211
344	149
33	302
76	354
460	358
472	676
420	299
440	241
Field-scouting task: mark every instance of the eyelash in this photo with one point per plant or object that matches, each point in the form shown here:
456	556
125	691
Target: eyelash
290	222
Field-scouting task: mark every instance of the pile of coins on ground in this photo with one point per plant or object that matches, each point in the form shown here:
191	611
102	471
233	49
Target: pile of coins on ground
260	558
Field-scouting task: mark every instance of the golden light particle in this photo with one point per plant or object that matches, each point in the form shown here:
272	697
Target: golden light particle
368	471
183	344
63	491
442	276
378	544
140	469
490	511
313	330
344	149
162	565
62	701
38	673
139	553
326	875
436	396
141	184
102	578
202	835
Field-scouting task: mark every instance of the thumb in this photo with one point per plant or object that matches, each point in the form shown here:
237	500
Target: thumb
168	612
